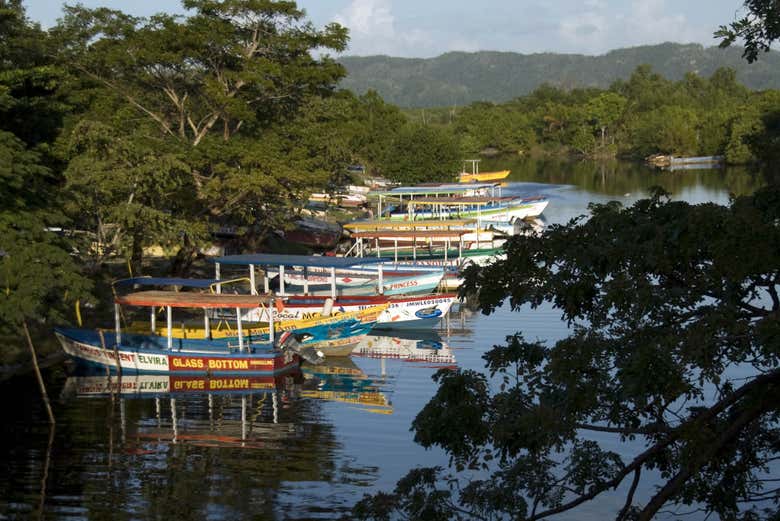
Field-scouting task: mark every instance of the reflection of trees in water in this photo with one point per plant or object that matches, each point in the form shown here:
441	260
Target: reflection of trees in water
620	177
121	459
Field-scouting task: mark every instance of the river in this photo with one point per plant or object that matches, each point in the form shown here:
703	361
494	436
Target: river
302	447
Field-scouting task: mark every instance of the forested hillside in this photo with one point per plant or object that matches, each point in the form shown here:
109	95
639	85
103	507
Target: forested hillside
459	78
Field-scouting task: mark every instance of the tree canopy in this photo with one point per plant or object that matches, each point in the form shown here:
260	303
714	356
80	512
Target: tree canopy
759	27
673	310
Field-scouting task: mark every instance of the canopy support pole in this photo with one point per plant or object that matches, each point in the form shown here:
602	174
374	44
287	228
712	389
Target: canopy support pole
266	284
281	279
153	320
378	251
271	307
253	289
206	324
117	324
380	280
217	276
333	283
240	331
395	250
169	314
305	280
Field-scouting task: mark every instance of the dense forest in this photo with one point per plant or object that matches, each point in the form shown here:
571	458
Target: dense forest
459	78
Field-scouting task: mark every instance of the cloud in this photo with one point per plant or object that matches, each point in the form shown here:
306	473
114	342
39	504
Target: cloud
600	27
373	29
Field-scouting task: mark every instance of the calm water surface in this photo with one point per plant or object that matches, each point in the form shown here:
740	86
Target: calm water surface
306	446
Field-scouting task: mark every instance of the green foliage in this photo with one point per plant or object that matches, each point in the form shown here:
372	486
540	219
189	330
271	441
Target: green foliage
759	28
421	154
675	344
644	115
39	277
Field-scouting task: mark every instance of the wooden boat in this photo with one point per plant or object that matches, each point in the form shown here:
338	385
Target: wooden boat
468	177
483	208
153	354
318	327
413	283
314	233
403	311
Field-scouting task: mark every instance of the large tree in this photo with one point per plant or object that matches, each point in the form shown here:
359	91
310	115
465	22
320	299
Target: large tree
211	89
674	344
39	278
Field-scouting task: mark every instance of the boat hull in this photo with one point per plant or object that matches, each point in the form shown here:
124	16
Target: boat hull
501	213
406	312
84	347
467	177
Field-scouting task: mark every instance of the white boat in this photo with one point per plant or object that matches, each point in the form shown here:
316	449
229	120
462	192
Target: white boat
403	312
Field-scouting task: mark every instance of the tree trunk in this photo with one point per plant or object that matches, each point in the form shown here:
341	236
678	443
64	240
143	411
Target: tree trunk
44	394
182	262
137	256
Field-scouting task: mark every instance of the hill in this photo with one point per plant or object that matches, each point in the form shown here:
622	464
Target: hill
459	78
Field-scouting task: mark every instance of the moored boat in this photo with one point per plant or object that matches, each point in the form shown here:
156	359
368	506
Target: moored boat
154	354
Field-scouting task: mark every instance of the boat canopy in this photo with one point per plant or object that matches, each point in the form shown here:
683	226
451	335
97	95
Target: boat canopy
436	189
167	281
460	201
307	261
175	299
411	234
406	225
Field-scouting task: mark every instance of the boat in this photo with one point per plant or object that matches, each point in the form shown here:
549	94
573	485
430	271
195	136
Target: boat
117	350
482	208
466	177
403	311
476	176
314	233
310	329
413	283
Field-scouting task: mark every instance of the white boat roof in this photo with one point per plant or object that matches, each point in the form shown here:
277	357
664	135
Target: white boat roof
436	189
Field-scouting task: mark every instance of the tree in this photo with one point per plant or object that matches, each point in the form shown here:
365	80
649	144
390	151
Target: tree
674	343
759	28
421	154
208	88
39	278
604	111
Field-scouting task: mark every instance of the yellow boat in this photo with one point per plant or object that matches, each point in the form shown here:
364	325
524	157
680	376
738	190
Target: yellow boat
469	177
222	328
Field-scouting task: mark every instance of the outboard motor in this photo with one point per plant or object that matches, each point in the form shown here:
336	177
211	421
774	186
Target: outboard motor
289	341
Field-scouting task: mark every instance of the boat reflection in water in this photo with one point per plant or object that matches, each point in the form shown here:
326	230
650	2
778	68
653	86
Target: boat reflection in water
341	380
415	347
252	423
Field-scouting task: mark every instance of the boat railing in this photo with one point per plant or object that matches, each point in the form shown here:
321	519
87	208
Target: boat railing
352	251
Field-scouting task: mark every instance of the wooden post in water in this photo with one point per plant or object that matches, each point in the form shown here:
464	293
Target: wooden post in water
34	356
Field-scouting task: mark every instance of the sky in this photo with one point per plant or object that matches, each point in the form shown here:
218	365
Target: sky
427	28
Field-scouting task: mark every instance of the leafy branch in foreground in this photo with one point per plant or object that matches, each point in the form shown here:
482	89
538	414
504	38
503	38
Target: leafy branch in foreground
673	353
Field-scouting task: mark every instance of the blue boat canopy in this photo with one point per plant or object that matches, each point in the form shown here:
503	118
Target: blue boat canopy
308	261
164	281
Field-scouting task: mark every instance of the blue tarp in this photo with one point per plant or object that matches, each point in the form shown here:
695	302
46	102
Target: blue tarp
269	259
163	281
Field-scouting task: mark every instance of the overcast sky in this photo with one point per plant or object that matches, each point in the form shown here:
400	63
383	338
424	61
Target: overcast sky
426	28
